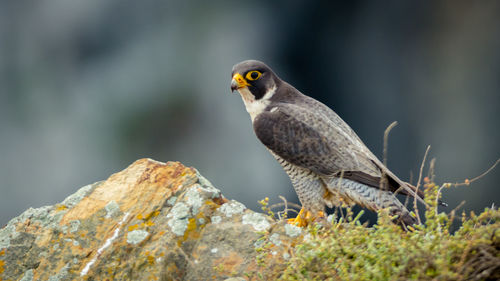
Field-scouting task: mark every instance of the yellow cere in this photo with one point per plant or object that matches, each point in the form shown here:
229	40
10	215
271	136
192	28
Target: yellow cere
240	80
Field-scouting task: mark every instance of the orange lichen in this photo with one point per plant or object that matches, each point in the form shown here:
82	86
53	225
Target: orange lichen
229	263
2	263
190	233
152	214
151	260
191	230
61	207
220	200
147	219
133	227
212	204
142	177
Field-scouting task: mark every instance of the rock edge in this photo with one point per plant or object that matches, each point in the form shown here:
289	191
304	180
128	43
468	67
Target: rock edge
151	221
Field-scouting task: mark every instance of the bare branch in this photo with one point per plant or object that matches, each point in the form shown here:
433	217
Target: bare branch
468	182
383	179
386	139
285	204
418	185
452	213
432	166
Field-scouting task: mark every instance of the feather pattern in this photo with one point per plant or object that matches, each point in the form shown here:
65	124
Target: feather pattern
324	158
309	134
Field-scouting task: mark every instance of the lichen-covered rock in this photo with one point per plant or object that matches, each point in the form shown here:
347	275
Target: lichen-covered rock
151	221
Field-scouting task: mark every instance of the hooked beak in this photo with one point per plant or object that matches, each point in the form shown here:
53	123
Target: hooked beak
238	82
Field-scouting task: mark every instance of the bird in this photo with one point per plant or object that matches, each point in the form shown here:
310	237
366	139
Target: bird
326	161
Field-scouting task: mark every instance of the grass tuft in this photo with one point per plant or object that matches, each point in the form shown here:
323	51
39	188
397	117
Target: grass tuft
347	250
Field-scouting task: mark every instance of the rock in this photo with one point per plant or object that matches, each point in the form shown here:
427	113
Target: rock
151	221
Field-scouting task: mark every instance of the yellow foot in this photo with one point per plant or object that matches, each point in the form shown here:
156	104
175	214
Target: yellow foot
305	217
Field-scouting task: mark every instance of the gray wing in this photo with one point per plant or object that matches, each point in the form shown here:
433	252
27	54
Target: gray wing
309	139
314	137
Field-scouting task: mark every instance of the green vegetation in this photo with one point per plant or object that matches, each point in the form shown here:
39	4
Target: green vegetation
348	250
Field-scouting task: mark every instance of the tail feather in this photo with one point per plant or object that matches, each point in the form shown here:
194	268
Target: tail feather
404	217
371	198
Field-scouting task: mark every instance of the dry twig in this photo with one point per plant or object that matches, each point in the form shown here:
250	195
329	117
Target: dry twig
285	204
383	179
418	185
468	182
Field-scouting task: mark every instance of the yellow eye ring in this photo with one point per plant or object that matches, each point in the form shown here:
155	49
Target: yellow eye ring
253	75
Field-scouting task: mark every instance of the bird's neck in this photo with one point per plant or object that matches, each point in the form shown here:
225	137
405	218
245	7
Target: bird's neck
255	107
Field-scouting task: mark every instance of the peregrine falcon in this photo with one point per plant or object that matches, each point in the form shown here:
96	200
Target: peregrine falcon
326	161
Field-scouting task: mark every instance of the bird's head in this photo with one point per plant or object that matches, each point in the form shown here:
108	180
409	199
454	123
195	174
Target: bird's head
254	76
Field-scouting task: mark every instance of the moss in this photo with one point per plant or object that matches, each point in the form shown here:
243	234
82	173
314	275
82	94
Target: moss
347	250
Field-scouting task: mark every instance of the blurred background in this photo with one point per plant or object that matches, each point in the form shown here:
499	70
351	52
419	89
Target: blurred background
88	87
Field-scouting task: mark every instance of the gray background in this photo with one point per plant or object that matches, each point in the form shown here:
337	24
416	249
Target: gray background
87	87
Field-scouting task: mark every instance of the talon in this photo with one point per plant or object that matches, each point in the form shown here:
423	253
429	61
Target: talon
300	219
326	194
304	218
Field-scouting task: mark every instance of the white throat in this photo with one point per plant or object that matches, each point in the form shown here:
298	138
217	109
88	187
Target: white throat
255	107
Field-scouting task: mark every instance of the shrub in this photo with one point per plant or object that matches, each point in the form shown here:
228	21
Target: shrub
348	250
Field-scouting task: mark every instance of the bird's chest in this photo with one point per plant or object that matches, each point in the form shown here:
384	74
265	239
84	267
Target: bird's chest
297	175
307	184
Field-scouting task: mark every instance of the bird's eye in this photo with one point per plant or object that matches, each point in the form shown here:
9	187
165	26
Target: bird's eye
253	75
